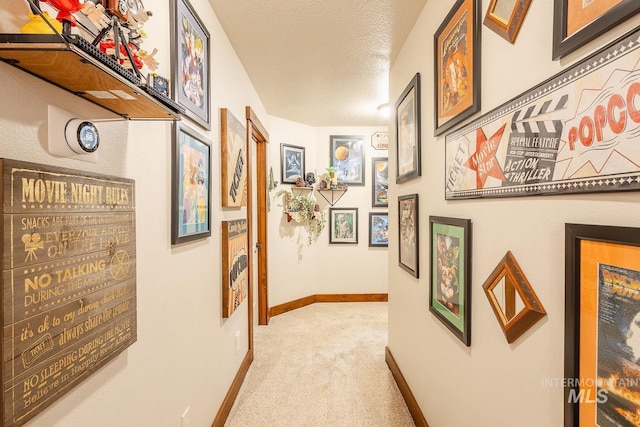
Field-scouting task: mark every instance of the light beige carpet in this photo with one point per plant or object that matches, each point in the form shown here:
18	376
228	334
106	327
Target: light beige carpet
321	365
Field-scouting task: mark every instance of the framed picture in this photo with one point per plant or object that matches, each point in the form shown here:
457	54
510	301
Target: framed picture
291	163
577	22
450	281
235	250
408	233
347	156
233	147
457	62
378	229
343	225
380	187
190	69
408	132
190	186
602	325
505	17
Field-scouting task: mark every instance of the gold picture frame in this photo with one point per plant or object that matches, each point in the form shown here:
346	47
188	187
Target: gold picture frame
505	17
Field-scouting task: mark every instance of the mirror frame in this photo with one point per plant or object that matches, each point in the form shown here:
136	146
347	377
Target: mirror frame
533	310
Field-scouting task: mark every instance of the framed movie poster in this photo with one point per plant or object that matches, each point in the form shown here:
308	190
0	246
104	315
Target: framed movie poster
457	65
380	187
190	67
408	132
291	163
190	186
343	224
602	325
378	229
235	265
577	22
347	156
450	280
408	233
233	147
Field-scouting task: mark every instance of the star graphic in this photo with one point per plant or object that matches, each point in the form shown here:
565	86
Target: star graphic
484	161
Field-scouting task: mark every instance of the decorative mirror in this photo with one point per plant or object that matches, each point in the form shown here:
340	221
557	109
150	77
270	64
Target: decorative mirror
512	298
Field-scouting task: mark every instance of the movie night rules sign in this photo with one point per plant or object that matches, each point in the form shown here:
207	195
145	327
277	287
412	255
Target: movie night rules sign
575	133
68	281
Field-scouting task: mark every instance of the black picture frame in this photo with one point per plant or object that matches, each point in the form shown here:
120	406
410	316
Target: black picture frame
347	156
565	43
190	69
292	163
408	234
378	229
380	182
190	185
602	309
450	279
408	131
343	226
457	65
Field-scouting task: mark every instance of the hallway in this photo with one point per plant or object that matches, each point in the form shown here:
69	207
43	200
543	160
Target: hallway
321	365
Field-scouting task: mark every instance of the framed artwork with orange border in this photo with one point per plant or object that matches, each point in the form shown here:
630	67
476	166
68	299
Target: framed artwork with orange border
602	325
577	22
457	65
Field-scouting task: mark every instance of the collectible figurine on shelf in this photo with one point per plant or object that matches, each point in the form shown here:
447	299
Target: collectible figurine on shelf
37	25
66	8
310	179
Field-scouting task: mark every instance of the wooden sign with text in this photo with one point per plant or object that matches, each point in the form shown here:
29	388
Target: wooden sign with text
68	281
234	160
235	265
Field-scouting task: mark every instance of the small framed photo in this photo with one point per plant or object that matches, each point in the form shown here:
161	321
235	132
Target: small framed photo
575	23
457	65
450	281
505	17
190	66
408	233
408	132
233	147
347	156
291	163
380	187
190	186
378	229
602	325
343	224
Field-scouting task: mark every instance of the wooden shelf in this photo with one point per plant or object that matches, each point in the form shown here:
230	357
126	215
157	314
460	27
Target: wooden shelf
333	199
65	61
299	191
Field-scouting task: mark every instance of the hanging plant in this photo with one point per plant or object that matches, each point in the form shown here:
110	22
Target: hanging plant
304	210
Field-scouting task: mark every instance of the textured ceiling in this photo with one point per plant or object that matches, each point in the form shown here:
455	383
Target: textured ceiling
321	63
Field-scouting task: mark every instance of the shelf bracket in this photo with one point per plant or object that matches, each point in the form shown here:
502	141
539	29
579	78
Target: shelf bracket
333	192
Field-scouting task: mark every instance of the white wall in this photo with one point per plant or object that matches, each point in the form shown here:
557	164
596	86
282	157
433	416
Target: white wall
494	383
297	270
185	353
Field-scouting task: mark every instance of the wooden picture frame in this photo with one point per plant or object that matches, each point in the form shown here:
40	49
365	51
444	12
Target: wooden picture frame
408	118
378	229
235	271
347	156
408	236
602	325
512	298
457	65
505	17
190	71
450	279
292	163
343	226
380	182
575	24
190	185
233	159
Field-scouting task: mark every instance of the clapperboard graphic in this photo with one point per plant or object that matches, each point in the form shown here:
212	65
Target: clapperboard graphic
533	143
